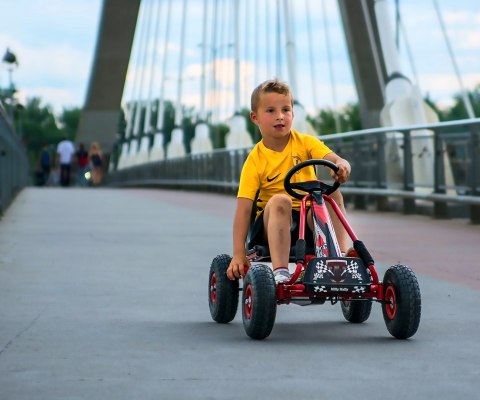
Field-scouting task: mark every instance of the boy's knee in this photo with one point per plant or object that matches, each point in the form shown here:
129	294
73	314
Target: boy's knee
281	203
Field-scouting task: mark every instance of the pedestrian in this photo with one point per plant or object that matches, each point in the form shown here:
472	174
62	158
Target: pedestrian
264	171
45	166
95	157
65	153
81	156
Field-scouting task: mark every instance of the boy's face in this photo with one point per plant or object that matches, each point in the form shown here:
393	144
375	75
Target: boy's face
274	115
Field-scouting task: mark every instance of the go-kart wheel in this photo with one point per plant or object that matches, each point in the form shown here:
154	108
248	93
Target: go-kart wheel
403	303
222	292
259	301
356	311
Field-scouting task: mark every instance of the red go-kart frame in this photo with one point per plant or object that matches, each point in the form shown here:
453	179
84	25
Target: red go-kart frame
321	274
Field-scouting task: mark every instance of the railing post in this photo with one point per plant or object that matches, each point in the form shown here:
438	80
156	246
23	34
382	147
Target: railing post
358	199
408	183
440	209
382	201
475	172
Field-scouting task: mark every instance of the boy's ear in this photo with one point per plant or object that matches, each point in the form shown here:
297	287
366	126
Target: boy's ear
253	117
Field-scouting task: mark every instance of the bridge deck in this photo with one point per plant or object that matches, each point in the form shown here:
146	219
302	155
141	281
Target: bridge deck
103	295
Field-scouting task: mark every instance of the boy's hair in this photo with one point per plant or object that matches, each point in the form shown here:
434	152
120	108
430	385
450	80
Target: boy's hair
269	86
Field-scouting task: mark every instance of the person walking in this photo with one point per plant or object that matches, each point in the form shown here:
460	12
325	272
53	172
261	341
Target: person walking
65	153
95	156
81	156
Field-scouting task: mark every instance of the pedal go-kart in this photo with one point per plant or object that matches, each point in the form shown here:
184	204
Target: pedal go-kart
322	274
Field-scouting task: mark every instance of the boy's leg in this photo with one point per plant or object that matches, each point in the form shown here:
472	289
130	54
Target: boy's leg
277	220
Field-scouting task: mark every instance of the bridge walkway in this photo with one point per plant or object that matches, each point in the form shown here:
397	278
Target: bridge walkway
103	295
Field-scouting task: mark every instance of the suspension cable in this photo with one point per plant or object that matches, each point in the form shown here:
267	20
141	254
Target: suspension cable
466	100
147	127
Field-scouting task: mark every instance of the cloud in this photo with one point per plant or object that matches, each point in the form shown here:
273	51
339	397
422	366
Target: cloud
443	87
55	41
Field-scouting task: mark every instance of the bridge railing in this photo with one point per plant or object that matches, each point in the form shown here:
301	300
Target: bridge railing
13	162
402	168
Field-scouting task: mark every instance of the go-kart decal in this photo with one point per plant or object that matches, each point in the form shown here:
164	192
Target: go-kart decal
338	270
337	275
326	244
321	249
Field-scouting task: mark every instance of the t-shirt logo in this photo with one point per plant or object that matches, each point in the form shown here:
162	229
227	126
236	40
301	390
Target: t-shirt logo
296	160
272	179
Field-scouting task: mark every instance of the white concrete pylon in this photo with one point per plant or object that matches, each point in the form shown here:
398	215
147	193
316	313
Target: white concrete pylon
157	153
201	142
175	147
122	159
300	122
143	154
132	153
238	136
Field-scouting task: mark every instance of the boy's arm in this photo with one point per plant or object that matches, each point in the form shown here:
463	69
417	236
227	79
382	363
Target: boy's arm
343	165
240	230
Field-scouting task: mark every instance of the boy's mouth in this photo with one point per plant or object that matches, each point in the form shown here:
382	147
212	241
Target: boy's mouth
279	126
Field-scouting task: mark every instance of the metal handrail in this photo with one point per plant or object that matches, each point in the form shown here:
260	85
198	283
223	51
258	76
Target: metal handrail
13	161
438	162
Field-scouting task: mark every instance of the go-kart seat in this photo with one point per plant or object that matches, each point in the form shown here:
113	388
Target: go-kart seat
263	252
261	249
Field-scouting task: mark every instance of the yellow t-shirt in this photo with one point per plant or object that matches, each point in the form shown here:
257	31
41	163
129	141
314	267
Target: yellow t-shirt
265	170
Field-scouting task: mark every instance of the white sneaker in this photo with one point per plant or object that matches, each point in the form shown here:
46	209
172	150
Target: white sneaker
282	275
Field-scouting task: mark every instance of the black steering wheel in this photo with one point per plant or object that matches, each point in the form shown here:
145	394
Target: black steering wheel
310	186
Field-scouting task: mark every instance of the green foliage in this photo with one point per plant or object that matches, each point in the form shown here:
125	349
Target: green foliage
69	120
347	119
458	110
37	126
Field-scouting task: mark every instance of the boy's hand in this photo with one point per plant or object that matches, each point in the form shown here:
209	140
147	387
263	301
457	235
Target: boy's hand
236	269
343	173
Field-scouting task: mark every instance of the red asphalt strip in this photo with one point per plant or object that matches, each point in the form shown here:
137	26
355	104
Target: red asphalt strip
442	249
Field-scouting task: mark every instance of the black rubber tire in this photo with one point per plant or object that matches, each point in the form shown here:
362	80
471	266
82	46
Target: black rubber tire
222	292
356	311
259	302
402	317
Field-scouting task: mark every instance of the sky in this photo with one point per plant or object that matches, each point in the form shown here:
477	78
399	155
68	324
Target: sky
54	42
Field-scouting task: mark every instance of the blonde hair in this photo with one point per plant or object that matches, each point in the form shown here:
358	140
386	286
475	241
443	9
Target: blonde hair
269	86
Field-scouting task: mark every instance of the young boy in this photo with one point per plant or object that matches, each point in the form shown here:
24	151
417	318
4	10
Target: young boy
264	171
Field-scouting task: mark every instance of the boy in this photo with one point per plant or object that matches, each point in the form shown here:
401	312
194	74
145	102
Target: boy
264	170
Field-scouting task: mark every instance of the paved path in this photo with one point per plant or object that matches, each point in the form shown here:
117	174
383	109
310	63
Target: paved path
103	295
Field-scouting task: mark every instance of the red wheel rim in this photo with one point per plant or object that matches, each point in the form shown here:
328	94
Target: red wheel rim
248	302
391	306
213	289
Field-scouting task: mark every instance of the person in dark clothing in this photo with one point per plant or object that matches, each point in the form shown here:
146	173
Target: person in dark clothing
81	156
45	165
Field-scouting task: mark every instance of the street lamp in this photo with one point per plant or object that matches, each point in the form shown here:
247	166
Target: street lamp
10	59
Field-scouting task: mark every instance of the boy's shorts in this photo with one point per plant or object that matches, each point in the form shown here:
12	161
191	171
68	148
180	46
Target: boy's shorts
257	235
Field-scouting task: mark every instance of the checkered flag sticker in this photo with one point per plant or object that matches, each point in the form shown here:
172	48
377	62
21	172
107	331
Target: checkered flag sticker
319	289
352	269
358	289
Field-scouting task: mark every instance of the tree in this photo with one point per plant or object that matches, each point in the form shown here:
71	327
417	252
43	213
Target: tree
349	119
459	111
38	127
69	119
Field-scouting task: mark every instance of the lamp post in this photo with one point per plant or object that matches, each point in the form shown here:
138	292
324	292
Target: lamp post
10	59
11	62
